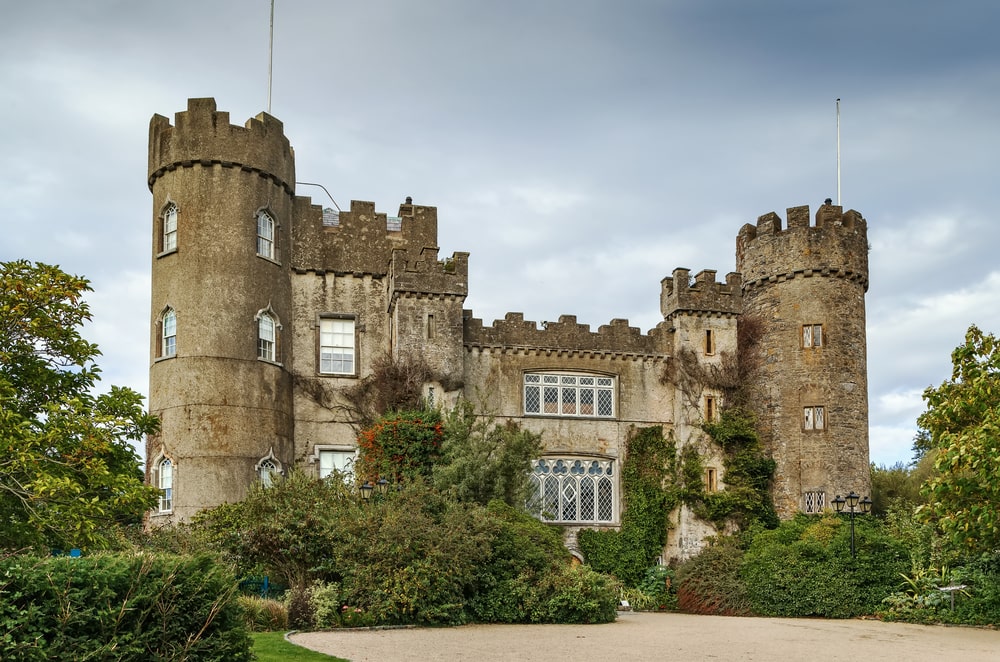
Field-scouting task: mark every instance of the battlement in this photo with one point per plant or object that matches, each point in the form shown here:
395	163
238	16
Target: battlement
513	331
836	245
362	239
201	135
424	275
703	295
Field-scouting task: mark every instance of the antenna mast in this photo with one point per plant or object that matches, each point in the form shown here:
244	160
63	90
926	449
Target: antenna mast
838	152
270	58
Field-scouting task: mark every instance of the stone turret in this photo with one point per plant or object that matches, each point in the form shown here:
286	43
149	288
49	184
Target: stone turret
222	215
806	284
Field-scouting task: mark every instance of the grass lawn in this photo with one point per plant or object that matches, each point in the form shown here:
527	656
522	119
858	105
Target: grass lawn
272	647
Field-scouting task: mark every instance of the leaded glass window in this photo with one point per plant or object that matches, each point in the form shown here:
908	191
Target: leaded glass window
573	490
814	501
568	395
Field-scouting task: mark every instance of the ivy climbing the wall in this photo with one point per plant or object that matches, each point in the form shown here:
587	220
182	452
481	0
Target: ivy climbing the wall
746	499
649	495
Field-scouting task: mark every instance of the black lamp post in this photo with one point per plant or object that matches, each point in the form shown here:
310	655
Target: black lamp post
853	501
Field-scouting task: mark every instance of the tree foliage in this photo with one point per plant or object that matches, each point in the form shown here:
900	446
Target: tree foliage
963	425
483	460
68	470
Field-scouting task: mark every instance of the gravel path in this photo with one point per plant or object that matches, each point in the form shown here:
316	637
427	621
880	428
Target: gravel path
636	637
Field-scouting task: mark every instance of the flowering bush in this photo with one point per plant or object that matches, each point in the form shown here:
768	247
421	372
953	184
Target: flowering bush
400	446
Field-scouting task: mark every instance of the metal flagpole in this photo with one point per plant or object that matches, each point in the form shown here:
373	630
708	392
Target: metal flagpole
838	152
270	59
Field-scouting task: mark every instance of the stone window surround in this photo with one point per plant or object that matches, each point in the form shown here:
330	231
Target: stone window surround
570	489
357	328
534	402
166	230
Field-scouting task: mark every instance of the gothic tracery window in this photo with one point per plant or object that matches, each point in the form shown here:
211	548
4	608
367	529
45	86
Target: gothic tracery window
573	490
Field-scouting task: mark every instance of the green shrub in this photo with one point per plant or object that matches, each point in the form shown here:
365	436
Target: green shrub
325	599
263	614
710	583
522	550
121	607
805	568
576	594
413	557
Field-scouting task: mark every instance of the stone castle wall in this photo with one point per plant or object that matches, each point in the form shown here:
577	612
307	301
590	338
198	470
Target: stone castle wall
223	409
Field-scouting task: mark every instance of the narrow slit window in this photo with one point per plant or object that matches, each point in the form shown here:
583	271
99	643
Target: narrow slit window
169	239
709	408
709	342
711	480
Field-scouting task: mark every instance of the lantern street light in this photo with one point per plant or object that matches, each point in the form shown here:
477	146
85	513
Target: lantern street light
366	491
853	501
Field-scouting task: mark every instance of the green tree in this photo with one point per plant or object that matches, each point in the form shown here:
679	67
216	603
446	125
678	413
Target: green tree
963	427
483	460
68	470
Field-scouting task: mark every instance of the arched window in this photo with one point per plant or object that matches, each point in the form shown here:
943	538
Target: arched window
267	335
265	235
165	469
266	472
168	238
573	490
268	469
168	333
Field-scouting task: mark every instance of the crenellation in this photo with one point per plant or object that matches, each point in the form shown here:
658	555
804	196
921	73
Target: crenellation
566	333
347	288
678	293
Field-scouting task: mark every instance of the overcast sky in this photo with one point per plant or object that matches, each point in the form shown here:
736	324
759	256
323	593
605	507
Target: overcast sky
580	150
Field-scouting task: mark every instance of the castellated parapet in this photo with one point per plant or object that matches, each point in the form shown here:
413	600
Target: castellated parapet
836	246
704	296
201	135
566	335
361	241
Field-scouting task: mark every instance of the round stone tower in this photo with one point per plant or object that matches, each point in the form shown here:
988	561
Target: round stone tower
804	289
221	306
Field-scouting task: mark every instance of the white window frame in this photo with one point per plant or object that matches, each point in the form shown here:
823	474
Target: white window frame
814	418
168	333
812	335
566	394
168	237
337	346
266	230
165	482
268	330
335	458
267	468
579	490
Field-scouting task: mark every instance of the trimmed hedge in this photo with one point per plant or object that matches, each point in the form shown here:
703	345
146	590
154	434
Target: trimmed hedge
120	607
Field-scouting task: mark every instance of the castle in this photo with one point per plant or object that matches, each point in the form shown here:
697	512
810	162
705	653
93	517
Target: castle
267	309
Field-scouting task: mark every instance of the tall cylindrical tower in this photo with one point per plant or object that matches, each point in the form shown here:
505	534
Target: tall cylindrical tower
221	306
805	285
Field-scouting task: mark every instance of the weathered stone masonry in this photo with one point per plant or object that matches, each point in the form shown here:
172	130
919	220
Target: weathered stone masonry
267	308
